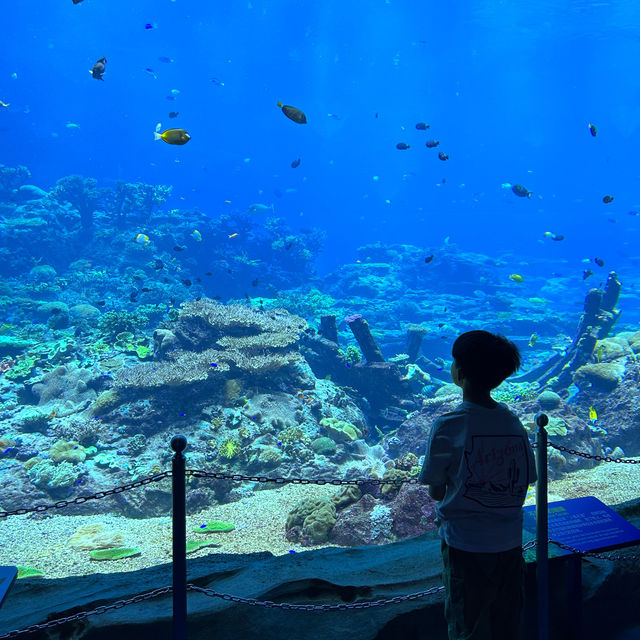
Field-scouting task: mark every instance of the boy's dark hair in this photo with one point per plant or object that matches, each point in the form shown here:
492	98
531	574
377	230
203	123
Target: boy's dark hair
486	359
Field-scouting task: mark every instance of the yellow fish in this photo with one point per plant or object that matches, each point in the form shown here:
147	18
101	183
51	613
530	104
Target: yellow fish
196	235
533	339
593	416
142	239
516	277
172	136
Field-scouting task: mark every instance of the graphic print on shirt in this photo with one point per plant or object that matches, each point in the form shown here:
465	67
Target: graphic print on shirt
497	471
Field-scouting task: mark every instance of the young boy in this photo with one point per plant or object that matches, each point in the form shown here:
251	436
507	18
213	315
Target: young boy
478	465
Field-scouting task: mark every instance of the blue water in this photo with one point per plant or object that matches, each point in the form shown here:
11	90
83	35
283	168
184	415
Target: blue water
507	88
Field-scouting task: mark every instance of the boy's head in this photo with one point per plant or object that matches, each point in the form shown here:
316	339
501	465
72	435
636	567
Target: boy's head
483	359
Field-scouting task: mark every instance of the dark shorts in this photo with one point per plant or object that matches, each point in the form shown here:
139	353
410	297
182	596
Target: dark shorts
484	594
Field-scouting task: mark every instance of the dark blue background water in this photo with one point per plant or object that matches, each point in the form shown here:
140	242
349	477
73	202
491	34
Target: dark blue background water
507	88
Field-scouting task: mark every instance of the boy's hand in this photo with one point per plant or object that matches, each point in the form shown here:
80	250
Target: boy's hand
436	491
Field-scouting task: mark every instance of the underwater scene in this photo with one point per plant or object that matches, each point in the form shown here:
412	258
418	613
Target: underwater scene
262	224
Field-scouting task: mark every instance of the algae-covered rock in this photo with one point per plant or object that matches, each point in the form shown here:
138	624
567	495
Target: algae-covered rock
601	376
48	475
95	536
609	349
11	346
116	553
549	400
71	451
340	430
105	402
311	520
324	446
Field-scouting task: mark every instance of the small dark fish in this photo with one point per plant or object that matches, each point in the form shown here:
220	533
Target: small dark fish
254	283
198	279
152	72
557	237
443	180
295	163
376	114
158	264
217	82
208	273
229	271
133	295
593	130
145	289
98	69
586	273
165	279
186	282
246	295
217	297
136	277
198	298
599	262
428	259
179	248
293	113
76	1
101	303
423	126
432	143
149	26
607	199
521	191
173	114
165	59
443	156
402	145
634	213
288	245
172	300
440	325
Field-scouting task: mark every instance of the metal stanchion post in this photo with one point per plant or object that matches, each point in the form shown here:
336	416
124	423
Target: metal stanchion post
542	527
178	444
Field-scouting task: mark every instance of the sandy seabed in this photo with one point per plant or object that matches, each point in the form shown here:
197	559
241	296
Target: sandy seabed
259	521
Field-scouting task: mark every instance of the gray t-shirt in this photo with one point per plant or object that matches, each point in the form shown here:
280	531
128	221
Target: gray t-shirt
484	458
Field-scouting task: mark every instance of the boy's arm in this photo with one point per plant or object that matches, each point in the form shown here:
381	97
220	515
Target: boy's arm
436	461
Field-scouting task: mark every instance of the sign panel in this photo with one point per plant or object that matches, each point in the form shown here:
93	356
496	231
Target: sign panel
7	576
582	523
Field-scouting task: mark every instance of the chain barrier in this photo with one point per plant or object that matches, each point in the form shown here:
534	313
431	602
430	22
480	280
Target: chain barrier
196	473
82	499
238	477
85	614
268	604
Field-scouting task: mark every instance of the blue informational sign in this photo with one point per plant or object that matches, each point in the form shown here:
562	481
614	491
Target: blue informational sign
7	576
582	523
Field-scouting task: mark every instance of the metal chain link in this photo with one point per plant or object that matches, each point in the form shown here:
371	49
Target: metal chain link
82	499
85	614
315	607
196	473
592	554
582	454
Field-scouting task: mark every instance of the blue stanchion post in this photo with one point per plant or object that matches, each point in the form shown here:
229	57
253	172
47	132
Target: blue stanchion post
542	527
178	444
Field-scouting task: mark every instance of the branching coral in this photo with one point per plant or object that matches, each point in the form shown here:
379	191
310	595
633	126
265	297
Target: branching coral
83	194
